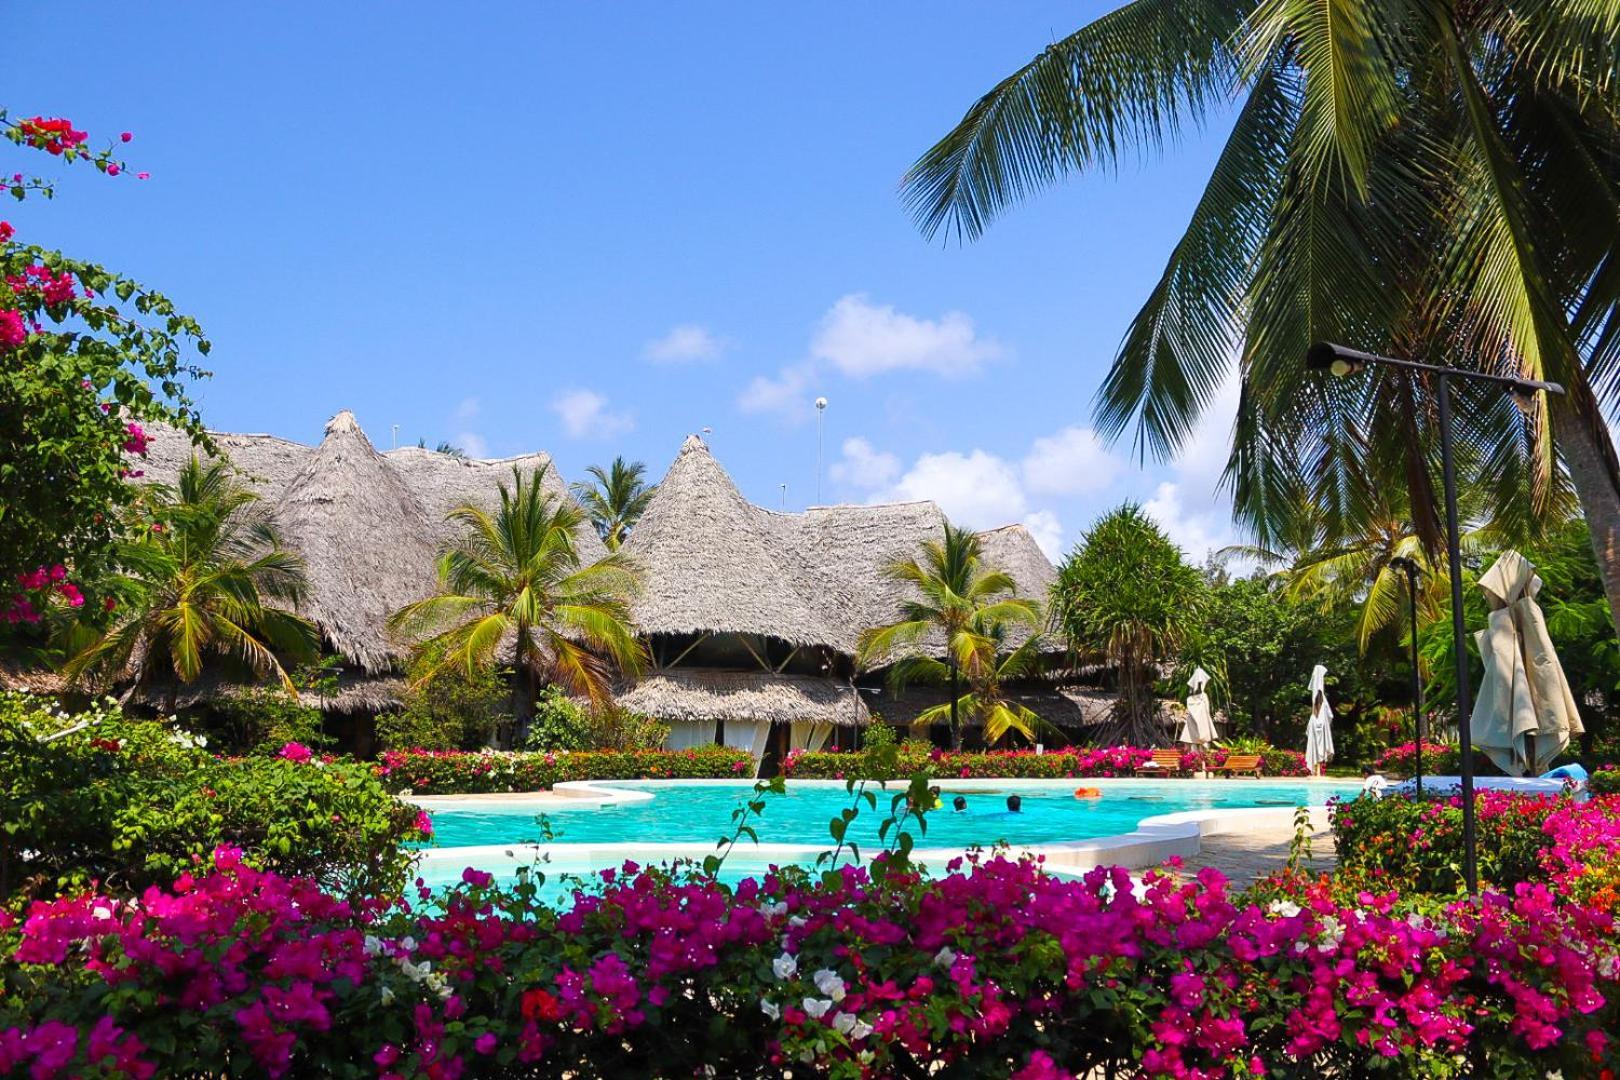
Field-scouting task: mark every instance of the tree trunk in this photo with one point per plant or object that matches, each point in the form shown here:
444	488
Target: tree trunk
956	721
522	692
1583	437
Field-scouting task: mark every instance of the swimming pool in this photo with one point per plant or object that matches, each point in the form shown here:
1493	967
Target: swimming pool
652	821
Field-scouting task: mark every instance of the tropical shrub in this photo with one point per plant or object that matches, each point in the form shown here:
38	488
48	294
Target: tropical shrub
446	706
1606	781
1081	762
133	803
443	772
1441	759
263	719
564	723
1404	844
995	969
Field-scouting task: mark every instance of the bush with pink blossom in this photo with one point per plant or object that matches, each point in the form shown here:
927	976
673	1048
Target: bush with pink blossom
1078	762
994	968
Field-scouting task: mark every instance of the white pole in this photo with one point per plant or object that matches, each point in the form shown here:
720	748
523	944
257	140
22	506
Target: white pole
821	410
784	496
393	443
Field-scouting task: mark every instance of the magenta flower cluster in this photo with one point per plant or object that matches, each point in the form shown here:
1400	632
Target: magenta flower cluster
1071	762
993	968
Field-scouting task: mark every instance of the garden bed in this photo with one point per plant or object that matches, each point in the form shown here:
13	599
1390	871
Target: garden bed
454	772
1069	762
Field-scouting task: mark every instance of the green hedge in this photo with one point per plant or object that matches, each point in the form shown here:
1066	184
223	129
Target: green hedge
910	759
439	772
132	803
1606	781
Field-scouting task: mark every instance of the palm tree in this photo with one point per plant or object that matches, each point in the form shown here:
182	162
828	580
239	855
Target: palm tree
517	576
204	567
985	699
959	600
1431	179
1127	597
615	499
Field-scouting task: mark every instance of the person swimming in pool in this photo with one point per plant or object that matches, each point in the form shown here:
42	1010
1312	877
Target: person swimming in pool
959	804
1014	804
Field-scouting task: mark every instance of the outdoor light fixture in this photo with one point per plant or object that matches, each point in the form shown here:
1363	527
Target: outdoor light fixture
1341	361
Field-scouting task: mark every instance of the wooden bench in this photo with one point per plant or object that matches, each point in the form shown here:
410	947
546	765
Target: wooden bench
1239	765
1165	763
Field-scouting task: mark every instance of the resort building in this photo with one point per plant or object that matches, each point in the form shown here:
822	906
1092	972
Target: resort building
751	616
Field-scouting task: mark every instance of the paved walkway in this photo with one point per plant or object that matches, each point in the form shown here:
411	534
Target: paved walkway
1246	856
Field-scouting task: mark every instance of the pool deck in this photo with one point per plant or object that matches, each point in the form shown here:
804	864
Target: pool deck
1244	857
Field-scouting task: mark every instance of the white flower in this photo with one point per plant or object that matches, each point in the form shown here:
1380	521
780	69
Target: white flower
101	912
816	1007
784	967
407	943
829	984
945	957
373	945
771	1009
796	920
860	1030
1286	908
771	911
1332	934
387	996
844	1023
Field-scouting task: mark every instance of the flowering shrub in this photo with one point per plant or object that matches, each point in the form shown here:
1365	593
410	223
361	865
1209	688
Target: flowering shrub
1399	843
129	803
1078	762
455	772
993	969
1440	759
1606	781
88	360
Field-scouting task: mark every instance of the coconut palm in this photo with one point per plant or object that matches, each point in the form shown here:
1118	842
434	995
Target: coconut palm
1430	179
985	699
615	499
515	579
960	602
202	576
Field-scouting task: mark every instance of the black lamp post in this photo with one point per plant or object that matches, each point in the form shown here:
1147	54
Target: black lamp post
1342	361
1410	568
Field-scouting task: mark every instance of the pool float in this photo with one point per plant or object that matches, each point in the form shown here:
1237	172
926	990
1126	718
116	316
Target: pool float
1087	793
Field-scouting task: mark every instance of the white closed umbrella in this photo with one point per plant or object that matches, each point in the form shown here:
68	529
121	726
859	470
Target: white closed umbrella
1319	730
1198	729
1524	714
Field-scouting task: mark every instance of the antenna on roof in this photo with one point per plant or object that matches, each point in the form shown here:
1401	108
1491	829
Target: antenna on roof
393	442
784	496
821	410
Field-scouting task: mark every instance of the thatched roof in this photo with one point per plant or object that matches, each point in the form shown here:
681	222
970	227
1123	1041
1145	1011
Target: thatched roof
1065	707
697	694
355	693
366	539
369	525
710	564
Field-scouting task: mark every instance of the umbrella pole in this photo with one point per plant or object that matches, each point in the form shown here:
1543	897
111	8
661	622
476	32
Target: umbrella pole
1458	632
1417	679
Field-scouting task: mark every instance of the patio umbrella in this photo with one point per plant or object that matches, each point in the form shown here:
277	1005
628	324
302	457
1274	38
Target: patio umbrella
1198	729
1319	731
1525	714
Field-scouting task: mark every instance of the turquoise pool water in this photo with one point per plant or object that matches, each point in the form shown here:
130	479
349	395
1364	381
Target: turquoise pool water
699	813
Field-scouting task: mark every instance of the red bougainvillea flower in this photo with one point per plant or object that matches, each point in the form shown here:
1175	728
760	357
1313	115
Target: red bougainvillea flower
52	135
296	752
13	331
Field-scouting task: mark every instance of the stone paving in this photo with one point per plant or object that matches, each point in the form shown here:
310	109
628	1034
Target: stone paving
1246	856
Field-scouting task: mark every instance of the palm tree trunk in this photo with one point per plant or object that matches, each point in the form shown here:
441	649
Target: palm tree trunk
1589	453
956	722
522	692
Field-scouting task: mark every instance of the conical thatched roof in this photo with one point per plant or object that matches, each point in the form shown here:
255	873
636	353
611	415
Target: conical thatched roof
696	694
369	544
710	563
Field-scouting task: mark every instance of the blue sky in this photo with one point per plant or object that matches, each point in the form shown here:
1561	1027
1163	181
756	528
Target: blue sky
594	229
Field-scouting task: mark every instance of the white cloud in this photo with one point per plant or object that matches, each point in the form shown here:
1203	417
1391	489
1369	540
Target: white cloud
465	410
976	489
1198	525
685	343
861	338
787	393
1044	526
862	466
585	414
1072	462
472	443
